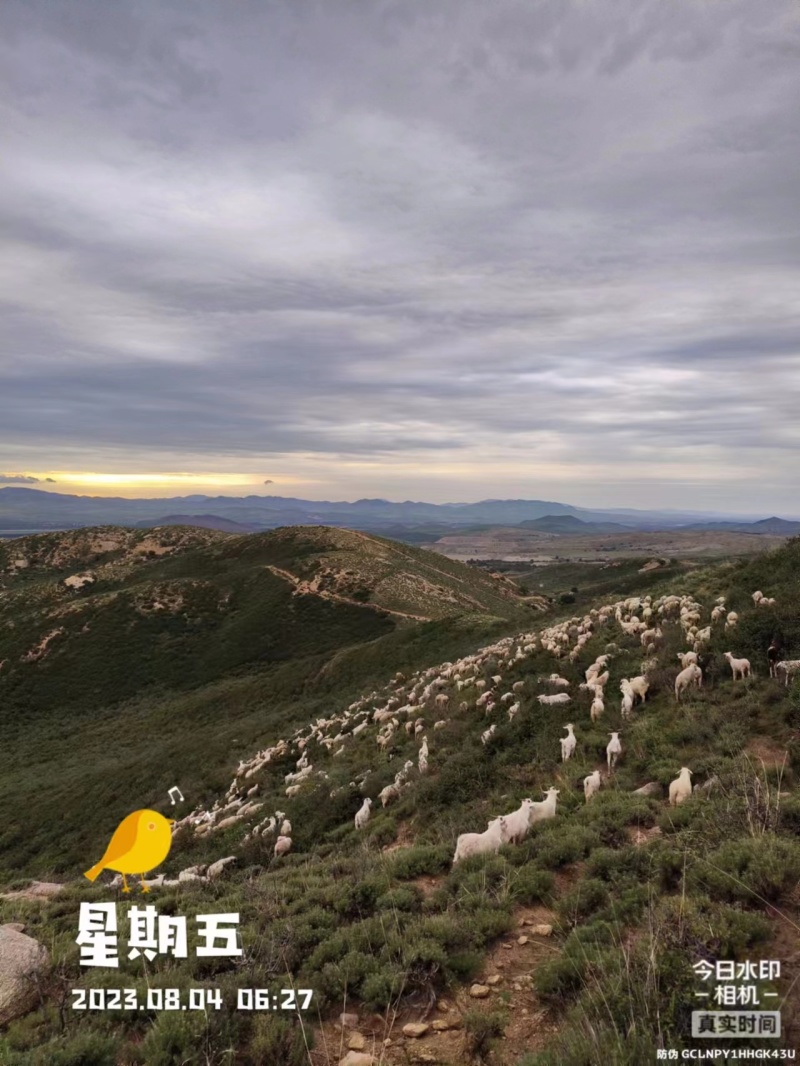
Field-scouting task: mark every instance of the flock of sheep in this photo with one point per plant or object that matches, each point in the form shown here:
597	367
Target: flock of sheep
474	684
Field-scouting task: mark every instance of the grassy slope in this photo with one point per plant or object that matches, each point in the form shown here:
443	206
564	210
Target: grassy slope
341	914
132	699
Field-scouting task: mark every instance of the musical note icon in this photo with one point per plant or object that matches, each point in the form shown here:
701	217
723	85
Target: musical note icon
180	794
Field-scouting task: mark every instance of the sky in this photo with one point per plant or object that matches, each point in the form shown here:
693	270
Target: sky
436	251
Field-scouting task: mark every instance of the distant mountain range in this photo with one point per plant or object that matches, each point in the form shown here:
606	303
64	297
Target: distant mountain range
27	509
775	526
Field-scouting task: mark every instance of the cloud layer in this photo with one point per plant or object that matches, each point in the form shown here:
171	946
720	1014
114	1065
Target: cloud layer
450	250
22	479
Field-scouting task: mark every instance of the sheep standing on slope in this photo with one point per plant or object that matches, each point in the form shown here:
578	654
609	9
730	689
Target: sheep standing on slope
486	843
591	785
788	668
692	675
286	828
626	709
568	743
687	657
597	708
681	788
636	687
362	815
422	758
487	734
389	795
739	667
283	845
613	751
518	823
546	808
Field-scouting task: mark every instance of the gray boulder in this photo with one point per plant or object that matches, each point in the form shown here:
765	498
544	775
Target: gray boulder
22	961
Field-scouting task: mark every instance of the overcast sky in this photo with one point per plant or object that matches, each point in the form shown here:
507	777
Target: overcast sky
428	249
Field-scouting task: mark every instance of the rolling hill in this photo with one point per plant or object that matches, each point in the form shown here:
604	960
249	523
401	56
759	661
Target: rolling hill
571	524
581	939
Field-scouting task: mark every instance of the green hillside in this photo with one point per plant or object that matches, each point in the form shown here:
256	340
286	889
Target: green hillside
380	922
185	647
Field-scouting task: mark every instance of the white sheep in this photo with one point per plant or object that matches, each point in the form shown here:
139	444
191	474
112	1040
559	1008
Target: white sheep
687	657
613	751
568	743
692	675
637	687
362	814
597	708
389	795
591	785
546	808
732	620
518	823
626	708
283	845
555	680
486	843
787	667
757	596
550	701
487	734
286	828
739	667
681	788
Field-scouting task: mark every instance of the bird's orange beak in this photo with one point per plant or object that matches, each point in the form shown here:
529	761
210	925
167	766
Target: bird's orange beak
170	821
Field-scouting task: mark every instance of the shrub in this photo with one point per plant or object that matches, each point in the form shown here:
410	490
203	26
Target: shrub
85	1049
482	1029
619	865
380	988
752	869
531	884
403	898
587	896
569	844
277	1039
561	978
415	862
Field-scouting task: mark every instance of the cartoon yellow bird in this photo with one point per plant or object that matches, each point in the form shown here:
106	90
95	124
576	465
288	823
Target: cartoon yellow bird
139	844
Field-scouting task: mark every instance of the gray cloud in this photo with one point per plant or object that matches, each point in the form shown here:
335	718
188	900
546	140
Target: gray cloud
22	479
547	238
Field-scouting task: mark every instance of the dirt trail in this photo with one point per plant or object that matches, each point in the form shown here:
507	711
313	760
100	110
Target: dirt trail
302	586
506	975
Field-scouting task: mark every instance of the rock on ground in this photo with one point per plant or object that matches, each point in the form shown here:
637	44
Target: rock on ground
357	1058
22	959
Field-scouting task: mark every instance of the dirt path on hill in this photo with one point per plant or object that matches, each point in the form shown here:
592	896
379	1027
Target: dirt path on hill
503	984
302	586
